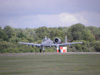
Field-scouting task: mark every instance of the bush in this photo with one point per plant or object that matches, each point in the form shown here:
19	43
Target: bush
97	46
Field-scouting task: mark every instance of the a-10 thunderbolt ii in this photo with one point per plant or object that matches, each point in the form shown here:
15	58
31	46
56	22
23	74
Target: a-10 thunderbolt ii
47	42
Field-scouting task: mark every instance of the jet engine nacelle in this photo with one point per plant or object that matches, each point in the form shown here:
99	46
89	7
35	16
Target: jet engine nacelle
57	41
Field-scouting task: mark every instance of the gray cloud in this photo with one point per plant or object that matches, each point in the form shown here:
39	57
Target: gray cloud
54	20
51	13
24	7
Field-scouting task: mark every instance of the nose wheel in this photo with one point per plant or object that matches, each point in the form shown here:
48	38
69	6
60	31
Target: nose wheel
43	49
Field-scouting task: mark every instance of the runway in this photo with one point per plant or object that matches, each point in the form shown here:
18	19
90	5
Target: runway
49	53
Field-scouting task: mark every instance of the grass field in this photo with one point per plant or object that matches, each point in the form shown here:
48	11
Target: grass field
50	64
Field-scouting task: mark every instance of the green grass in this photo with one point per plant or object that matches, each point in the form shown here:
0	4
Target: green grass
58	64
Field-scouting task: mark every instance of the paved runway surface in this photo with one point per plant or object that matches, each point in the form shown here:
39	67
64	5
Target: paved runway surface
49	53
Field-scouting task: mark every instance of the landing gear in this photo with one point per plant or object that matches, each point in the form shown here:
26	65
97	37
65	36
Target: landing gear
43	49
40	50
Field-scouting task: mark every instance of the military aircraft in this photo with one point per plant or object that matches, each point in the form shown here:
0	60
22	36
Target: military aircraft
47	42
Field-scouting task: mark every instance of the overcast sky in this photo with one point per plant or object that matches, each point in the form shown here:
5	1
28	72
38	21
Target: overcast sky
49	13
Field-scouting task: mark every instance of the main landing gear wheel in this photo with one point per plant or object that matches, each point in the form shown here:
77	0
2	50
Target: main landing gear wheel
40	50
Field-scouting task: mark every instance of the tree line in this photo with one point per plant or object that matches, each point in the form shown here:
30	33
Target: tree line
9	38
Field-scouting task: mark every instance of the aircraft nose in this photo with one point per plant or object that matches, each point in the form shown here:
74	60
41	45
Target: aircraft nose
42	43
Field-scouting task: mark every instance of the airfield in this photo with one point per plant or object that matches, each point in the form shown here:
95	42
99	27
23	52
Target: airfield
71	63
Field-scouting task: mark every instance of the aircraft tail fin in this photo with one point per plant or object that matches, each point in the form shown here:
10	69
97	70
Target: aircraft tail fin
66	39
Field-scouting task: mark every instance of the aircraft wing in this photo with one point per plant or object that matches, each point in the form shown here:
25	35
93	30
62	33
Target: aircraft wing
65	44
33	44
49	45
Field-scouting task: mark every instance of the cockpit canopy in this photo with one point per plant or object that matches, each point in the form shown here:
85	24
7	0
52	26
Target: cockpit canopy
45	39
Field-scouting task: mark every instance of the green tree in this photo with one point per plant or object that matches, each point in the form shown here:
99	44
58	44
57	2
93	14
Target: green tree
55	32
76	32
3	36
9	31
96	46
89	36
21	35
95	31
79	32
42	32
